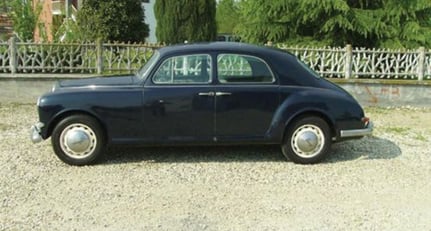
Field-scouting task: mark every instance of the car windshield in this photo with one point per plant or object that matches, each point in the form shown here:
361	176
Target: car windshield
308	68
143	72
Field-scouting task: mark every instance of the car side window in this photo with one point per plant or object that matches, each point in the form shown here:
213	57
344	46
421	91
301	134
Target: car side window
234	68
186	69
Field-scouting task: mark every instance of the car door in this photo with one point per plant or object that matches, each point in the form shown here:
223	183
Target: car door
247	97
177	107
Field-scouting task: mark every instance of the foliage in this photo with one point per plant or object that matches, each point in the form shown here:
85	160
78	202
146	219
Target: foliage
4	6
365	23
227	16
68	31
181	20
112	20
24	17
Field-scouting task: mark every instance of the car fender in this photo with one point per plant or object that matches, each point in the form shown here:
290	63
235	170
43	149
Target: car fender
59	112
306	101
105	106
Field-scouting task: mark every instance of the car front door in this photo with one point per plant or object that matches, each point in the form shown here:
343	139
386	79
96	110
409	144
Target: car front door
247	97
178	106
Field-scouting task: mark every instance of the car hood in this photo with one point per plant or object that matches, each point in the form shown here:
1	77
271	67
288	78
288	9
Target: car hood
98	81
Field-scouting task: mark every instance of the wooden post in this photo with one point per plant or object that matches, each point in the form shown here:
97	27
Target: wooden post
13	59
348	64
421	63
99	56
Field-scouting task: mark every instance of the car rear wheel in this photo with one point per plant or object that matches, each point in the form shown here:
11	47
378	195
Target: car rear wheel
78	140
307	140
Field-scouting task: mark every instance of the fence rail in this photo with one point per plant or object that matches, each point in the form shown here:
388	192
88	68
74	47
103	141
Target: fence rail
97	58
362	63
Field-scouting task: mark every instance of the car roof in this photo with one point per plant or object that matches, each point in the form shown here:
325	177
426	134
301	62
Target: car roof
277	59
221	47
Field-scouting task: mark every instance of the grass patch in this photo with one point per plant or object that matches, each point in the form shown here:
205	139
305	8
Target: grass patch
4	127
377	110
421	137
15	105
397	130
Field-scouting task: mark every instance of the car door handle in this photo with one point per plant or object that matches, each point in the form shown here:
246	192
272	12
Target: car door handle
211	93
219	93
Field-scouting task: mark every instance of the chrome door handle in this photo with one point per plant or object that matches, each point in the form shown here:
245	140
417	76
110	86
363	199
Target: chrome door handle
211	93
222	93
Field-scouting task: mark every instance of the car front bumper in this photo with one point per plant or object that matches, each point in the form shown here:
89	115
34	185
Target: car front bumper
35	131
368	130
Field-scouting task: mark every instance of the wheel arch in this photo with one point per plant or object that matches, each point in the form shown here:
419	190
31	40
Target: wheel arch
310	113
61	116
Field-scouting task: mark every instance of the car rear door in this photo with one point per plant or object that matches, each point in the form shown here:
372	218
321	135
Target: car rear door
247	96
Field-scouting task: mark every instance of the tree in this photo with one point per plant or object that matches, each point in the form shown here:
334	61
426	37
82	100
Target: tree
227	16
4	5
181	20
368	23
112	20
24	18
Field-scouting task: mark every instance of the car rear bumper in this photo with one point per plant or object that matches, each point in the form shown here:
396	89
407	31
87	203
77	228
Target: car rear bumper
368	130
35	131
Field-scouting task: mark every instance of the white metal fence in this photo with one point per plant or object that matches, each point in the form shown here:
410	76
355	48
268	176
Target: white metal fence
343	62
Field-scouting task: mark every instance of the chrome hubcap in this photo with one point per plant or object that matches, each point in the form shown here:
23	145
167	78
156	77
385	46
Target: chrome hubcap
308	141
78	141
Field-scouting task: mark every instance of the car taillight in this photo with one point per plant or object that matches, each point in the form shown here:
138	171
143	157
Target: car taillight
365	120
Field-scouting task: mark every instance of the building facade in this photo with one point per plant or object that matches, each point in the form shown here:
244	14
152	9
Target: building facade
52	15
55	11
150	19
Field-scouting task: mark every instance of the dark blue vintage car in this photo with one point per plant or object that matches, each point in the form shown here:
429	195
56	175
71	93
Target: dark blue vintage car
202	94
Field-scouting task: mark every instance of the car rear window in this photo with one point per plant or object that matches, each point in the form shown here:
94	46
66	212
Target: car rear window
236	68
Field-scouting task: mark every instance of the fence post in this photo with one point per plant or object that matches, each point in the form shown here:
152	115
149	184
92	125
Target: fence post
269	43
13	55
348	64
421	63
99	56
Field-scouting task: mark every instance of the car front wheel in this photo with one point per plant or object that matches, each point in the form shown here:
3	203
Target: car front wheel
78	140
307	140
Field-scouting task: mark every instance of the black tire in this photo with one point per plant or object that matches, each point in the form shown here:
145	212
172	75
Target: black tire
78	140
307	140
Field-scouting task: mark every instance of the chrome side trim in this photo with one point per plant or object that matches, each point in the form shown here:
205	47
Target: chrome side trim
368	130
35	131
92	86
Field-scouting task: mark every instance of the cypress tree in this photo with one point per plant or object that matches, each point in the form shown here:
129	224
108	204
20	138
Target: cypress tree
181	20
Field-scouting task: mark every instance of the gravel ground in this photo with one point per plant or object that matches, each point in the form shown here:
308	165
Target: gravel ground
376	183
